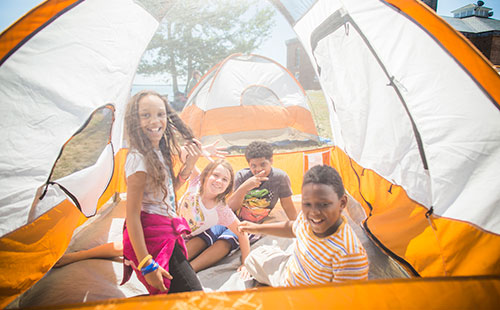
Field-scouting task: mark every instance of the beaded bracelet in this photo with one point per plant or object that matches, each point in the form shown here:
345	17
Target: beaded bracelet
181	178
143	261
150	268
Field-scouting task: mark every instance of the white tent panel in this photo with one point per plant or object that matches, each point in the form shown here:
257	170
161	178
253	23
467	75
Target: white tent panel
88	184
47	102
53	195
374	140
258	73
459	130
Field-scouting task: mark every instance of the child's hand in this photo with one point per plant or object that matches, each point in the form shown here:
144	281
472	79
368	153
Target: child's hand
244	274
255	181
194	151
212	151
248	227
155	278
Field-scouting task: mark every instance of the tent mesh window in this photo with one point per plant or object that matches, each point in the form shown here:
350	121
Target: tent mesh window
85	147
259	95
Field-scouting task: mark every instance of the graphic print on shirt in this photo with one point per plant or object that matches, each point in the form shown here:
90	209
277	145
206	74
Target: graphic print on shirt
256	205
190	210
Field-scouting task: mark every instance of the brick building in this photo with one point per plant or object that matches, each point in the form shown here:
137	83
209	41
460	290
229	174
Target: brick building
475	23
297	62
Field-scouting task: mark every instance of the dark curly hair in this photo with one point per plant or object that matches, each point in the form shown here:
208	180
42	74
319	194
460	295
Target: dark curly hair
327	175
259	149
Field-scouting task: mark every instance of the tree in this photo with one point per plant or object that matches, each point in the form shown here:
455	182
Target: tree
197	34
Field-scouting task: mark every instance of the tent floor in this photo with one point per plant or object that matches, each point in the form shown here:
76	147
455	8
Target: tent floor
99	279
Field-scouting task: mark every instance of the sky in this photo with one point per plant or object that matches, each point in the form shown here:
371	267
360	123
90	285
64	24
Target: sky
274	47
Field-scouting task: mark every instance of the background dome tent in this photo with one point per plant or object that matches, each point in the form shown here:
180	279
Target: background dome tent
249	97
416	125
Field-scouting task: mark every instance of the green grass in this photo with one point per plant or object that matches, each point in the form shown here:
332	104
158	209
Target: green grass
320	113
83	149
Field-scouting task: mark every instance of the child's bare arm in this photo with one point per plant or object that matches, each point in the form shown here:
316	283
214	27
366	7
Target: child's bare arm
289	207
236	199
190	154
243	239
135	190
279	229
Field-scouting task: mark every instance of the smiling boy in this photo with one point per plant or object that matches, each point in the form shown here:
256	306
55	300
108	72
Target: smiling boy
326	248
258	187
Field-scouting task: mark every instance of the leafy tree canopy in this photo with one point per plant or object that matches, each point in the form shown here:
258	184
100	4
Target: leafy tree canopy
197	34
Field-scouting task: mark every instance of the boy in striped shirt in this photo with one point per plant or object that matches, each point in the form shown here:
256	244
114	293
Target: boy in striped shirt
326	249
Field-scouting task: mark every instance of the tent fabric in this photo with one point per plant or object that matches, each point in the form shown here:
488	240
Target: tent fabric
29	252
26	27
54	74
431	293
246	98
68	170
426	245
440	113
54	101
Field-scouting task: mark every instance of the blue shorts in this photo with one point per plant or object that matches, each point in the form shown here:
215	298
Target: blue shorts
219	232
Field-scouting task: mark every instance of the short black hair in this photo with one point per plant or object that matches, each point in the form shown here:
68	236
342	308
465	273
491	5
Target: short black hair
259	149
323	174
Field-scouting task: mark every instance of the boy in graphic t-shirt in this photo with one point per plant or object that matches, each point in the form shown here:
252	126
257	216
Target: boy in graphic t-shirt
256	192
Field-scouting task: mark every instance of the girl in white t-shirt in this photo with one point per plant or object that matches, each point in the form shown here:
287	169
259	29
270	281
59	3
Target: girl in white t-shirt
204	205
152	238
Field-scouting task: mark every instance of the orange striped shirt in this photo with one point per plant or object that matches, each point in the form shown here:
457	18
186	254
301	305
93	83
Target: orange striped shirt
337	258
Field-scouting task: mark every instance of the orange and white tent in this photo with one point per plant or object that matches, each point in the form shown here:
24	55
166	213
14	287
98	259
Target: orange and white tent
415	113
246	98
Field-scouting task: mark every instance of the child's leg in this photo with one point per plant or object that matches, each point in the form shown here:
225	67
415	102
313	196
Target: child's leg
211	255
194	247
220	241
184	278
106	250
267	264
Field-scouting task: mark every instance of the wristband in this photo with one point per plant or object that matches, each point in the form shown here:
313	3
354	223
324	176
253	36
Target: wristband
150	268
143	261
181	178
